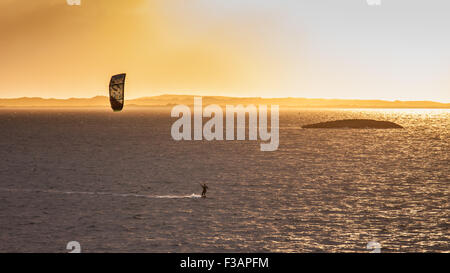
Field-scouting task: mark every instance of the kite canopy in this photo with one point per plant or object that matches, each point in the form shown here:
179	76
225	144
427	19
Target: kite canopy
116	91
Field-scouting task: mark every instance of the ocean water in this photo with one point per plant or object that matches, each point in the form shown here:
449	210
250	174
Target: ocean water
117	182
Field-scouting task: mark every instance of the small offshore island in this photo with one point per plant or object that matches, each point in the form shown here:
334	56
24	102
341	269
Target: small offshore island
355	124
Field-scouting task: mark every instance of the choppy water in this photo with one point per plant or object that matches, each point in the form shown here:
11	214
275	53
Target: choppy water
117	182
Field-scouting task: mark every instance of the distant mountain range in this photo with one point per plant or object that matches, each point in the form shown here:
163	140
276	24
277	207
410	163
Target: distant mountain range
170	100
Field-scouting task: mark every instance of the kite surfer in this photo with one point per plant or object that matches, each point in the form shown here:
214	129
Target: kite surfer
205	188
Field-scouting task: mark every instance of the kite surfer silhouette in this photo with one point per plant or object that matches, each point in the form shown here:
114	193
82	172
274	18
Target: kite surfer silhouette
205	188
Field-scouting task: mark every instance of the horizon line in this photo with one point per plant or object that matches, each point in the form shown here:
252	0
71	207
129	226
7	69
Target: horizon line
224	96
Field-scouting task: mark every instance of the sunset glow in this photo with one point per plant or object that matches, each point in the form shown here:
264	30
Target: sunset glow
344	49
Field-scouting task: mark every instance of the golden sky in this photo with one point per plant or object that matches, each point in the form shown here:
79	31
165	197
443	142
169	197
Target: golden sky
215	47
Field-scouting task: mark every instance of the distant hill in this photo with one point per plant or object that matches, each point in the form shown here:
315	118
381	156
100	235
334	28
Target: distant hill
170	100
101	101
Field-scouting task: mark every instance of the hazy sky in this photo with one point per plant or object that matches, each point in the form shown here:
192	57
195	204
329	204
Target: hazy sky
311	48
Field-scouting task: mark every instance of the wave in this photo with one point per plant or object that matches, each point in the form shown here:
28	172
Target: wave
193	195
179	196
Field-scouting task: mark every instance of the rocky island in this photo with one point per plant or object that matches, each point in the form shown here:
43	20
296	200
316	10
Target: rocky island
355	124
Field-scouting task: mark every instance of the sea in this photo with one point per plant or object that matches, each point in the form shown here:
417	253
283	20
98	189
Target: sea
118	182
